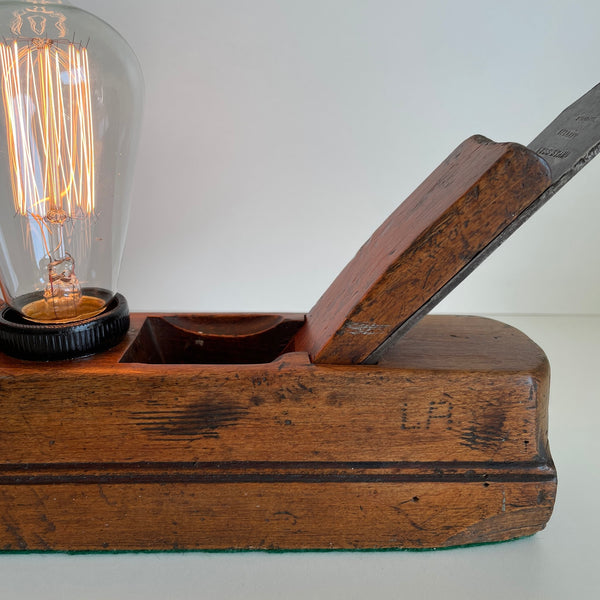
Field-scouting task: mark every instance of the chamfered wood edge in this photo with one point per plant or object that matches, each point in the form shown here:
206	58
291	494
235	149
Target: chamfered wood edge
276	471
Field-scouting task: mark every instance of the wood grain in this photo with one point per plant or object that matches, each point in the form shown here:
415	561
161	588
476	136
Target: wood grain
443	443
171	516
410	409
472	197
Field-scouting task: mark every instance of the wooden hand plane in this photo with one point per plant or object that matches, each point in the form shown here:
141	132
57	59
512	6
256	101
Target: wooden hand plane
363	424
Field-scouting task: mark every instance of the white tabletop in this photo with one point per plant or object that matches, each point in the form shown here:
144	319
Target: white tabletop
563	561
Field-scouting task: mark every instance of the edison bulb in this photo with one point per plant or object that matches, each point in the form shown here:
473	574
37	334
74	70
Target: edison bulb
71	91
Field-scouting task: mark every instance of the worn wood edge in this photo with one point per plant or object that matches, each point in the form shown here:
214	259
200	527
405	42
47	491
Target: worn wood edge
382	549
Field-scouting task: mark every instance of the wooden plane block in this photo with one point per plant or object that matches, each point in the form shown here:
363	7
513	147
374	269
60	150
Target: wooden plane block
462	207
443	443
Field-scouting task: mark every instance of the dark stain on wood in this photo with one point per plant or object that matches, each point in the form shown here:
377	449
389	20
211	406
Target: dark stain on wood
488	433
201	420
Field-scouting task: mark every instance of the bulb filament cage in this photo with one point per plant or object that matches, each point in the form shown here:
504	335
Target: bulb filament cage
48	113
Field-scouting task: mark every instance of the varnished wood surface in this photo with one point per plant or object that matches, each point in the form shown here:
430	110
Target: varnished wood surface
474	195
429	448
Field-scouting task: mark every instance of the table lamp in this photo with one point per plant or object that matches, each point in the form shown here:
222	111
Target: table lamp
365	424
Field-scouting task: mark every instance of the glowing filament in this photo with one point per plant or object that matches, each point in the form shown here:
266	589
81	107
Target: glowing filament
47	104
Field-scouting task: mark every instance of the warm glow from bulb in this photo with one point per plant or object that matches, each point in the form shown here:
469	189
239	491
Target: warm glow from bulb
47	104
48	115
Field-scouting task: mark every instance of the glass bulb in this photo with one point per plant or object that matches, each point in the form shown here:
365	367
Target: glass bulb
71	91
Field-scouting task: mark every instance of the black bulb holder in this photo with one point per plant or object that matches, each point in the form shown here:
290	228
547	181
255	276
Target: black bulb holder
26	340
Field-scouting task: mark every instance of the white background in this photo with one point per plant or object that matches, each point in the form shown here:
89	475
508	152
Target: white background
279	134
